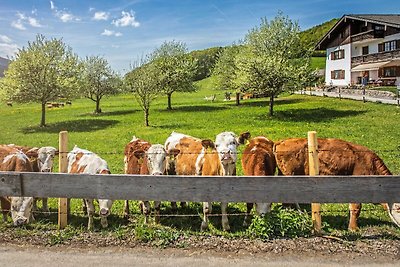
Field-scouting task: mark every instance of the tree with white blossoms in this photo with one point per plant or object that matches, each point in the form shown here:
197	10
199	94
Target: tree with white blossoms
177	68
143	82
98	80
43	71
272	60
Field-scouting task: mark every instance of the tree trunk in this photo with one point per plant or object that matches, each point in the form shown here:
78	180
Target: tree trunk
146	117
98	109
271	105
238	99
169	101
43	120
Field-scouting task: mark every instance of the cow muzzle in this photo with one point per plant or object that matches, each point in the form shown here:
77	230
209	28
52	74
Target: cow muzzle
157	173
21	221
104	212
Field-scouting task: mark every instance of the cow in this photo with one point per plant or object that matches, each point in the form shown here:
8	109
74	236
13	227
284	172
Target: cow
13	159
143	158
204	157
258	160
336	157
42	161
84	161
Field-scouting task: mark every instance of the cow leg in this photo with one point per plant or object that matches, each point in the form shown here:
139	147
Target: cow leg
45	206
126	209
207	209
248	215
145	210
103	221
157	206
90	212
174	207
34	207
355	209
224	211
183	204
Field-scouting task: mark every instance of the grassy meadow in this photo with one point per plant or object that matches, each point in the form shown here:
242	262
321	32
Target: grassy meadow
369	124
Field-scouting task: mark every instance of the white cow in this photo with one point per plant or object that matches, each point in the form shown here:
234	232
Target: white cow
85	161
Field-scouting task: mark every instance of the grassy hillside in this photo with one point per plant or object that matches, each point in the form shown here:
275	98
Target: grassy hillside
310	37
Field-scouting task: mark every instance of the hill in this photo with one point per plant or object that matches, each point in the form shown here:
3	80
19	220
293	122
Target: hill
310	37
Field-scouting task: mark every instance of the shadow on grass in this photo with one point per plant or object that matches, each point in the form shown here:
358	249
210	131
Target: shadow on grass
311	115
193	108
88	125
265	102
193	223
110	113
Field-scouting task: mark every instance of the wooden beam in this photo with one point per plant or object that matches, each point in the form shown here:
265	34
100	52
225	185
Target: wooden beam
63	168
313	166
292	189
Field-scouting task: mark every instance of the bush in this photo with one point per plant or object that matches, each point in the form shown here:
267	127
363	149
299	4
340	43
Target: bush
281	222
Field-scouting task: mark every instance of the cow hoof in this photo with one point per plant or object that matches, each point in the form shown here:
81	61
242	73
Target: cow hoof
226	227
204	226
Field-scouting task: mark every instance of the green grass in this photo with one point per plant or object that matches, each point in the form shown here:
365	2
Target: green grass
369	124
318	62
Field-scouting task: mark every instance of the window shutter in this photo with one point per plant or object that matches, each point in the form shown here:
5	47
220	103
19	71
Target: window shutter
380	47
342	74
332	56
397	44
332	74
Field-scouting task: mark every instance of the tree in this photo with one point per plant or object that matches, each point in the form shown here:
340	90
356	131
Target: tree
225	70
143	82
43	71
205	61
177	68
272	58
98	80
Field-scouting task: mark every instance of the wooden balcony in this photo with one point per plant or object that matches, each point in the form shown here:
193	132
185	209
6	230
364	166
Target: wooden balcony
377	57
371	34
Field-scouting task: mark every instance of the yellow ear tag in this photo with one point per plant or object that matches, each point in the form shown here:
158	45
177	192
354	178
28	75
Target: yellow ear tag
247	142
32	159
209	149
140	161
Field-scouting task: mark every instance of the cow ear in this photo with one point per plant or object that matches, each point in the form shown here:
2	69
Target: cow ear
32	153
207	144
174	152
243	137
139	154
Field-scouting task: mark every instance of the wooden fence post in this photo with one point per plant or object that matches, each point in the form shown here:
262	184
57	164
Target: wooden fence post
63	168
313	164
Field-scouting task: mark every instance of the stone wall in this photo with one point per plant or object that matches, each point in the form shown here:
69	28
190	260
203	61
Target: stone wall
370	93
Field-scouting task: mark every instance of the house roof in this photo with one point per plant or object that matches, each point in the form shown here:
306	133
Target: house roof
392	20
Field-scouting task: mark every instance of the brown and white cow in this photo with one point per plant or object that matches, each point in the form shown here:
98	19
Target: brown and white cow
203	157
13	159
336	157
258	160
143	158
85	161
42	161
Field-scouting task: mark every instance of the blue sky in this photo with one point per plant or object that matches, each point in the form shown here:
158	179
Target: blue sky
122	30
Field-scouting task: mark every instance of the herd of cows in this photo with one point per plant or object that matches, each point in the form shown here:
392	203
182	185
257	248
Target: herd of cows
186	155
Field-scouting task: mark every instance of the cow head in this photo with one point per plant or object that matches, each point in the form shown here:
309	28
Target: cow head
226	144
21	210
42	158
156	157
104	204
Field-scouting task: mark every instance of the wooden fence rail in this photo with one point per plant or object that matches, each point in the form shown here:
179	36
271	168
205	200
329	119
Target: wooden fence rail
288	189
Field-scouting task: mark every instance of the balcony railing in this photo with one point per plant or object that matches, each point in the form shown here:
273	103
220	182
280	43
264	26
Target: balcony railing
377	57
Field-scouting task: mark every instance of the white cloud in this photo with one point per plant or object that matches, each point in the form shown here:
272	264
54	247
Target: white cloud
127	19
5	39
111	33
18	25
23	19
8	49
64	16
101	15
34	12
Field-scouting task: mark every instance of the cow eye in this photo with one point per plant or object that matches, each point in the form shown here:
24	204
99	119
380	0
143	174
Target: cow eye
14	208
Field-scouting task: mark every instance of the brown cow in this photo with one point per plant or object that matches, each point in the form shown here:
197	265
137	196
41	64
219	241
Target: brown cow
143	158
84	161
13	159
202	157
336	157
258	160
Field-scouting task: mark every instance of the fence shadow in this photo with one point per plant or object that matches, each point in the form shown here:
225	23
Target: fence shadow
312	115
83	125
193	108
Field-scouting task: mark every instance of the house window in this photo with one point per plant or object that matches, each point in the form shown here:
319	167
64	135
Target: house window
338	54
388	46
389	72
365	50
337	74
379	28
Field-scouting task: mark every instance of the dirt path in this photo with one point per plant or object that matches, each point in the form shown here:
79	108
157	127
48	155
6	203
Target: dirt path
11	255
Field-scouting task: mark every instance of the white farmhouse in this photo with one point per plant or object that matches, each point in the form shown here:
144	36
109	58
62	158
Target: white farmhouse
363	49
